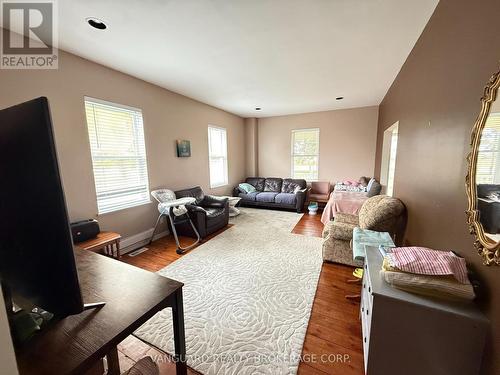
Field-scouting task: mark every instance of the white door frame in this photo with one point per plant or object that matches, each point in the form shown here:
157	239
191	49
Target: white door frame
386	154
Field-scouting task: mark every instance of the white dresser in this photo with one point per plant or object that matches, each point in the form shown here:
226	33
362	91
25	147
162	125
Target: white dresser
404	333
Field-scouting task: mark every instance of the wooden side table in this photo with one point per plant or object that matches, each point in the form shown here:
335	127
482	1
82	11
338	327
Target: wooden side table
107	241
74	345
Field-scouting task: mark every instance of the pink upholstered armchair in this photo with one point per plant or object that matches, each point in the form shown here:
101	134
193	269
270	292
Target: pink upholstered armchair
320	192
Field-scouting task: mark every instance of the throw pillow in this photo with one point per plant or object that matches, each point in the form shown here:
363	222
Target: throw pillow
351	182
363	181
246	188
370	183
374	189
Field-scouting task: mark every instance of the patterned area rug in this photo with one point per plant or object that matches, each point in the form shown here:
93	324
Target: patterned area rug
248	296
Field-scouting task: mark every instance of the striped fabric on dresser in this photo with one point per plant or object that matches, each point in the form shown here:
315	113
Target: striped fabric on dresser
424	261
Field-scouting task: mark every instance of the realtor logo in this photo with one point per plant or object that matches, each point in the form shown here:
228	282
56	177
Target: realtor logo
29	34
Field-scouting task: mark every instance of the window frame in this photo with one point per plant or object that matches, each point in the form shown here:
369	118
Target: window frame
293	155
388	174
113	105
495	154
224	158
393	156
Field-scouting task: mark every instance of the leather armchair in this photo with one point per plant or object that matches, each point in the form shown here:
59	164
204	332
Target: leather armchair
209	213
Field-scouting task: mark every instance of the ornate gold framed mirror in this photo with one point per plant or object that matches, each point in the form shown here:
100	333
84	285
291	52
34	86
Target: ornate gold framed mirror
483	176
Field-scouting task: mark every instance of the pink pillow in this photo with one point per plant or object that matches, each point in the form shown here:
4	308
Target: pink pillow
351	182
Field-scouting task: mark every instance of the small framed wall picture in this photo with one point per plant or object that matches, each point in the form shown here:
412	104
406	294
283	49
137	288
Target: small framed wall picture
183	148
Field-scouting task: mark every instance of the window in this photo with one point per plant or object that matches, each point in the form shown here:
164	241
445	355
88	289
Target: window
118	155
488	159
217	155
389	151
305	154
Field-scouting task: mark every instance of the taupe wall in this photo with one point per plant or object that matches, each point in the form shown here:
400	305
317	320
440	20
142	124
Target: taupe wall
167	117
347	142
251	147
435	98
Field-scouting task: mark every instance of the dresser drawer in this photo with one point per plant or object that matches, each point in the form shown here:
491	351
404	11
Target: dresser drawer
366	320
367	296
366	290
365	313
365	328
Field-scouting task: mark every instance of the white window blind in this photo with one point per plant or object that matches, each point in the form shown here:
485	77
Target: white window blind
116	136
488	160
305	154
217	154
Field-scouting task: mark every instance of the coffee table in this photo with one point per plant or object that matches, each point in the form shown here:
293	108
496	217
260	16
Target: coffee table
233	201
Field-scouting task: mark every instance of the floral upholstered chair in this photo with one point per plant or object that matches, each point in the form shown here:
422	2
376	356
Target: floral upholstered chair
379	213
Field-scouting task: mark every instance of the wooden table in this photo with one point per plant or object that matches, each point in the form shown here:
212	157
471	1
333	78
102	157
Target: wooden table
75	344
107	241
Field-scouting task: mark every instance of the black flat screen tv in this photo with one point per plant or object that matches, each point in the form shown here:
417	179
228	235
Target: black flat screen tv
37	261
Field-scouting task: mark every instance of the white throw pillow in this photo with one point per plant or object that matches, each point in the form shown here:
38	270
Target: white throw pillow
370	183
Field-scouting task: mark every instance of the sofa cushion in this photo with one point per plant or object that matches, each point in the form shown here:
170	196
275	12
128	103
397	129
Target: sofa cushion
286	198
291	185
320	187
267	196
256	182
214	212
195	192
368	187
483	190
342	231
375	188
273	184
248	197
343	217
380	213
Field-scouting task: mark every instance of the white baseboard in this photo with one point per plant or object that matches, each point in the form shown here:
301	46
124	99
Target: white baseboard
136	241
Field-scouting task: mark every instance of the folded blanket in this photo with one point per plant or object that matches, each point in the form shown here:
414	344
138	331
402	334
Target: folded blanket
366	237
424	261
433	286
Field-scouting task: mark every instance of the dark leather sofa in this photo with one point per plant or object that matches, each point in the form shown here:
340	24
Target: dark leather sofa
489	210
208	213
274	192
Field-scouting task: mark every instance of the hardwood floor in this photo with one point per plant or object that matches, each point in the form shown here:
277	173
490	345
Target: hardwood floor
162	252
333	340
309	225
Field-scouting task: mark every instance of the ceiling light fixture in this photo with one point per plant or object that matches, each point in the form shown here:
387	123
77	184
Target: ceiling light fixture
96	23
339	98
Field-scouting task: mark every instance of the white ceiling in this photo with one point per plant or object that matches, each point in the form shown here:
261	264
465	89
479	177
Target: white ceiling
286	56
